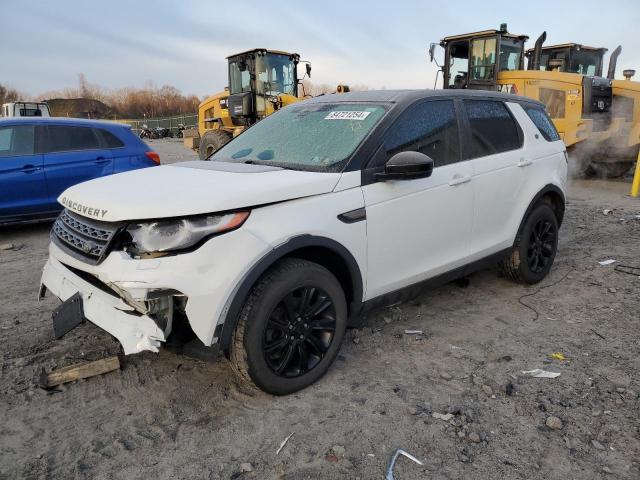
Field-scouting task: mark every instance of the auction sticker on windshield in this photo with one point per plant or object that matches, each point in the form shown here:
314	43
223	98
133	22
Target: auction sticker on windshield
347	115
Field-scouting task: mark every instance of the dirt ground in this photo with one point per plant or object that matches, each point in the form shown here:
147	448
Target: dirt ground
167	416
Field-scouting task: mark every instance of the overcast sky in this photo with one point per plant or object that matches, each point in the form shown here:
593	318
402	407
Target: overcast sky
44	45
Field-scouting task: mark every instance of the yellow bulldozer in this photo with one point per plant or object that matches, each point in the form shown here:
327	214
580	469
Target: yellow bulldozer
597	117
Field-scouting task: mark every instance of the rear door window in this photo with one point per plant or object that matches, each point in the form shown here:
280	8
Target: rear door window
16	140
428	127
493	129
63	138
540	118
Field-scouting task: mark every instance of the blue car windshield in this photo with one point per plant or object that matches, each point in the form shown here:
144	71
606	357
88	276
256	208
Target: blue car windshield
305	136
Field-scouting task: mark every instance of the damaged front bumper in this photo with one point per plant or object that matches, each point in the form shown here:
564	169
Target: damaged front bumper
136	332
136	300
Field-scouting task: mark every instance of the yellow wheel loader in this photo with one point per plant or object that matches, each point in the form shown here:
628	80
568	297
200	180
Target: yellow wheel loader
260	82
579	100
613	145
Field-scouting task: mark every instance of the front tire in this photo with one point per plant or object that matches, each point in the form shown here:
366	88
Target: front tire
212	141
290	328
535	247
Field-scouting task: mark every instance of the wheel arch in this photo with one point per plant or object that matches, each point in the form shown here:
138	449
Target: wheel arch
550	194
324	251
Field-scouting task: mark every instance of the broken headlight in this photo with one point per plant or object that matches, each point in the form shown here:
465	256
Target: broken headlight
169	235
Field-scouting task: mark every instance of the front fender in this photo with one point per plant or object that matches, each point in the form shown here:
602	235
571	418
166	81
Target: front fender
237	299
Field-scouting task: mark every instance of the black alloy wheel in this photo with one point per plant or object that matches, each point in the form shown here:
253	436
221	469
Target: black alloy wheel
541	246
299	332
535	247
290	328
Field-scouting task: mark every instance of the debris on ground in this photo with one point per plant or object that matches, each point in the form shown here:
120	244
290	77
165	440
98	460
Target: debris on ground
558	356
607	211
442	416
539	373
413	332
7	246
474	437
284	442
392	463
628	269
246	467
607	262
77	372
554	423
509	389
487	390
420	409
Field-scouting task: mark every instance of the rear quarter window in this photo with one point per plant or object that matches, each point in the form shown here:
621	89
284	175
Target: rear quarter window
110	140
541	120
493	129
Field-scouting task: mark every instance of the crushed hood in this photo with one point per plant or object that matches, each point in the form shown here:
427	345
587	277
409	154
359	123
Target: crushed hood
191	188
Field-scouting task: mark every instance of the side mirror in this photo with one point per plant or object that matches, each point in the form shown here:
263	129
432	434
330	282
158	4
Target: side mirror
432	51
406	166
308	65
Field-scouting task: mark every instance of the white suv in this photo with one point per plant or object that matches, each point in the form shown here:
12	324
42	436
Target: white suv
328	207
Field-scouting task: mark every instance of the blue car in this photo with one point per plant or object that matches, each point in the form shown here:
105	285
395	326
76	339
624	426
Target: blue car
41	157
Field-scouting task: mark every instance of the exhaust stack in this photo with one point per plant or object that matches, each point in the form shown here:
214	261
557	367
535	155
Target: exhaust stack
537	52
613	60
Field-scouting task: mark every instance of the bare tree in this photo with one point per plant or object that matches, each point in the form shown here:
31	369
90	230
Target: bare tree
131	102
8	94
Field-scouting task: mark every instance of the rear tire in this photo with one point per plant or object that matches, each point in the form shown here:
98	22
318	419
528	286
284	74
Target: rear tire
290	328
535	247
211	142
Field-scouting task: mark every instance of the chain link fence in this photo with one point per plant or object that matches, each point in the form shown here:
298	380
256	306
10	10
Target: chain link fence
172	123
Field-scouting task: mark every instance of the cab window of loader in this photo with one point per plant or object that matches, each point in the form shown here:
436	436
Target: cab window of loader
510	54
458	64
584	63
275	74
483	59
240	79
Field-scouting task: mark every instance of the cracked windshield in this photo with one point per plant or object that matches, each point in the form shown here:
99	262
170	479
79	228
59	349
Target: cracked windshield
315	137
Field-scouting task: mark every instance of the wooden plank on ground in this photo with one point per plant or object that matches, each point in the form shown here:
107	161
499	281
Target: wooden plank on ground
76	372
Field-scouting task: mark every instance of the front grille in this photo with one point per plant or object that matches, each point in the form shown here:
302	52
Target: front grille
83	238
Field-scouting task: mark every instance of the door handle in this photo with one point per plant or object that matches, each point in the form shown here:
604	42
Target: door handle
101	160
524	163
30	168
459	180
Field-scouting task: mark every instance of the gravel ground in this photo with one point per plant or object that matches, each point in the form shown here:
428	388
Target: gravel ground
167	416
